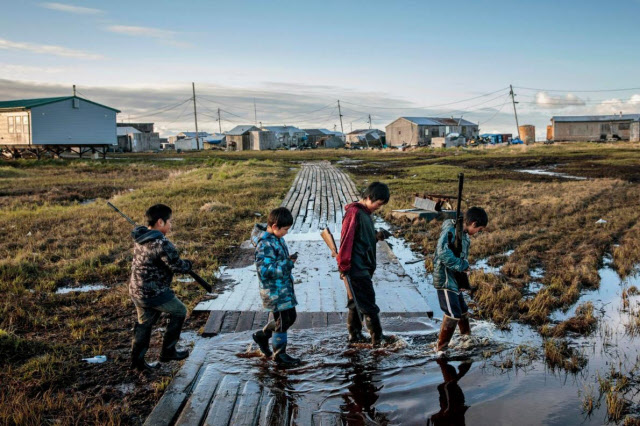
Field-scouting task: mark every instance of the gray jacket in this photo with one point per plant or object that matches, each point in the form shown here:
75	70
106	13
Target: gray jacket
155	260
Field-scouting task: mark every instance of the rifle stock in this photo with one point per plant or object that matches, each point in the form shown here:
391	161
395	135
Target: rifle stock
461	278
327	236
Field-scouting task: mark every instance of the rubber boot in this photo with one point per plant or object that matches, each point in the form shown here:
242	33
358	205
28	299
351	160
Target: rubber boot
139	347
171	337
463	325
446	332
354	325
262	340
280	355
375	330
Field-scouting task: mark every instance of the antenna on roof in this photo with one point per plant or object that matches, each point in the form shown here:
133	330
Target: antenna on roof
74	90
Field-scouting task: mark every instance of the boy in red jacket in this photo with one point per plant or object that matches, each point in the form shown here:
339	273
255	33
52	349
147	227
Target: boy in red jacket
357	260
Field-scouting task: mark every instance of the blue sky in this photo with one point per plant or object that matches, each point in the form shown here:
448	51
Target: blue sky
295	57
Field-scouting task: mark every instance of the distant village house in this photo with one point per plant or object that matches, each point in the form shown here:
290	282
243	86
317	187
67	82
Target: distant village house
137	137
412	131
595	128
366	138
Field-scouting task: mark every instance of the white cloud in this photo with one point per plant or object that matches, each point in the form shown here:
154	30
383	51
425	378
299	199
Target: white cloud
165	36
13	70
47	49
615	106
545	100
78	10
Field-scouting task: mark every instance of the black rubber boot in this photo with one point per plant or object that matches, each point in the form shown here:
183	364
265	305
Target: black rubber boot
283	359
139	347
354	326
171	337
262	340
375	330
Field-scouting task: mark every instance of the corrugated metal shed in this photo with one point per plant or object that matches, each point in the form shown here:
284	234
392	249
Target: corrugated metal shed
193	134
439	121
123	131
241	130
586	118
31	103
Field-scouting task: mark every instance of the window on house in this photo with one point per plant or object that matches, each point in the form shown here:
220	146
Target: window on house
623	126
25	124
605	128
18	124
10	123
399	132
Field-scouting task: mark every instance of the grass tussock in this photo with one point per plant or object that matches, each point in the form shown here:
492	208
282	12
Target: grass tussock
584	322
559	355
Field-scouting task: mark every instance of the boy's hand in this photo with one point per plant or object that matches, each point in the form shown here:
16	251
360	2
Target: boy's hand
294	257
382	234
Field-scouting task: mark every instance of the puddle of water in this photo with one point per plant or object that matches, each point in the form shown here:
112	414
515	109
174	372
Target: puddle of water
544	172
88	201
82	289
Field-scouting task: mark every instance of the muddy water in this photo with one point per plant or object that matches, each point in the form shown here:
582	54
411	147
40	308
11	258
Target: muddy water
495	378
483	383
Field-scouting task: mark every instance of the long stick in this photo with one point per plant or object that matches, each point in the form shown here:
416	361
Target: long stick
203	283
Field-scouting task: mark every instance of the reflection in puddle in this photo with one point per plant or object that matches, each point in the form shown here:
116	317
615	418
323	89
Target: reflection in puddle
544	172
82	289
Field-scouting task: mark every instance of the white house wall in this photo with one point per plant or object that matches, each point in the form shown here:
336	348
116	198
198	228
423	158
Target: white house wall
61	124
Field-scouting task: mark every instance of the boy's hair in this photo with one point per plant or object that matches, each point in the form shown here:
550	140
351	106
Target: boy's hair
280	217
377	191
477	215
157	212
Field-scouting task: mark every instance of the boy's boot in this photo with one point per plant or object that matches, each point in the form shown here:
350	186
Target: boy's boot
375	329
171	337
354	325
446	332
463	325
280	355
261	338
139	346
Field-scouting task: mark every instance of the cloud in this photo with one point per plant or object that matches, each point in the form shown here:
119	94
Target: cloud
78	10
165	36
47	49
614	106
11	70
545	100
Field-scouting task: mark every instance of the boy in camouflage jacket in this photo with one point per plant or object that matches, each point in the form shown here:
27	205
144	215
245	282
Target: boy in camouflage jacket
155	260
274	266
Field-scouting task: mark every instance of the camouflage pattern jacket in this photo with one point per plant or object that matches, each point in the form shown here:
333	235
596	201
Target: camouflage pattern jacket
155	260
274	272
445	261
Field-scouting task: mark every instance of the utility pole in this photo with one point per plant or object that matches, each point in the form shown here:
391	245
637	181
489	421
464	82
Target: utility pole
219	121
195	115
513	101
255	112
340	114
369	121
74	90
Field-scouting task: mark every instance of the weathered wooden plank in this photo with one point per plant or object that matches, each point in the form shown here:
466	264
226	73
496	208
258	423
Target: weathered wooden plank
214	323
245	322
198	402
267	403
319	319
248	405
260	320
224	400
335	318
291	192
230	322
326	419
303	321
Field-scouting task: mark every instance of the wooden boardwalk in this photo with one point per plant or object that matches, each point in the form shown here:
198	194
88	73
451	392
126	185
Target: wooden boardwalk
200	394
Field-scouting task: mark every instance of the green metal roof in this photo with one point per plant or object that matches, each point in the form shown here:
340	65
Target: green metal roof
30	103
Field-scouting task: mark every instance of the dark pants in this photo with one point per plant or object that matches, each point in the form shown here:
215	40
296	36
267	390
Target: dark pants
452	303
282	320
365	302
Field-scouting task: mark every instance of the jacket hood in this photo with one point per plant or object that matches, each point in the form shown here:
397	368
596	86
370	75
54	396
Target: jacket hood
142	234
449	223
357	205
258	233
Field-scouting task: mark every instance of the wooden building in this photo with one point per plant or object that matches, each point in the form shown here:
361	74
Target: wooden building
595	127
413	131
56	124
138	137
366	138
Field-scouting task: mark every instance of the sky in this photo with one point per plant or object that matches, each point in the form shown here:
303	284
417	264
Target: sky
289	62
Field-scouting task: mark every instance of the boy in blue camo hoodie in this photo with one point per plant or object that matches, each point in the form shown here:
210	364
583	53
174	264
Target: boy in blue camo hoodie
274	266
444	265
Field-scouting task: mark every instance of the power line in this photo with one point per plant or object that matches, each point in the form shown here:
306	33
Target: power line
160	111
580	91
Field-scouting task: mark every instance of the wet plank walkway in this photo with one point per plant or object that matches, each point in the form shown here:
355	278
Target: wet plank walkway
200	394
